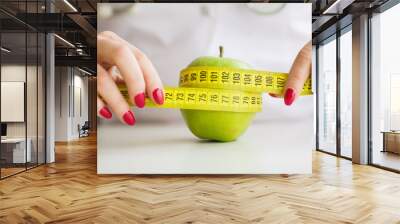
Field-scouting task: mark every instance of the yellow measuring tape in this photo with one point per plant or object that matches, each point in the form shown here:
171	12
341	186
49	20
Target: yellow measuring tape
222	89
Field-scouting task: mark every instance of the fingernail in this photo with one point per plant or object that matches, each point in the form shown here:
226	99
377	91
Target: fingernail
273	95
158	96
105	112
139	100
129	118
290	95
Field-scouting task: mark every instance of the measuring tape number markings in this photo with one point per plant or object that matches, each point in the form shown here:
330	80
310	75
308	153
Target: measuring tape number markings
222	89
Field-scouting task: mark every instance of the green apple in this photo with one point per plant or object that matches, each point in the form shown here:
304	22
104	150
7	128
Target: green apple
218	125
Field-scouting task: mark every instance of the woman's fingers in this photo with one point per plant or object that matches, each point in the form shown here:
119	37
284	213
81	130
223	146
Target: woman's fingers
298	74
102	110
116	53
109	92
154	87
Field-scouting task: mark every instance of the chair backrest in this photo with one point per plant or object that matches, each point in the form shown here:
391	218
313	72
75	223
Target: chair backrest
86	125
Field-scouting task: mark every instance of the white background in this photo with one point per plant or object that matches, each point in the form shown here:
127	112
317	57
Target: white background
12	100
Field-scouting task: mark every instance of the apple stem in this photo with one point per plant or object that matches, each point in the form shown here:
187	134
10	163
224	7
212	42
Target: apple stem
221	51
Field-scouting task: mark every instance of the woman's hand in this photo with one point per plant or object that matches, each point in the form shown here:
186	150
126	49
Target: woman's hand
136	71
300	71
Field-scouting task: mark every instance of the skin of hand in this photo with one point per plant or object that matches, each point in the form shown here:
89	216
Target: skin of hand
135	70
299	72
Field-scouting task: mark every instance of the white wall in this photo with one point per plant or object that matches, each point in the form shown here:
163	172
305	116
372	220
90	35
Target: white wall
70	83
12	99
12	73
33	126
80	84
61	114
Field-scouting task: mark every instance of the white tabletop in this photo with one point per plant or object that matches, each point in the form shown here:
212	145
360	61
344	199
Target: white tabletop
282	143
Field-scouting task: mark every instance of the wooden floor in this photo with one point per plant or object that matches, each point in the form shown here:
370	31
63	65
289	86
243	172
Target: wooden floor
5	172
8	171
70	191
387	159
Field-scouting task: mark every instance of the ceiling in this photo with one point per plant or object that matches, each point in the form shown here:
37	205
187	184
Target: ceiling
72	20
332	15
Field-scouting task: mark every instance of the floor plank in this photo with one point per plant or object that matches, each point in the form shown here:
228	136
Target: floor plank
70	191
387	159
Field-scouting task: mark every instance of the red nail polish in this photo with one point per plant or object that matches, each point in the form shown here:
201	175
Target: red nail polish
140	100
158	96
105	112
129	118
290	95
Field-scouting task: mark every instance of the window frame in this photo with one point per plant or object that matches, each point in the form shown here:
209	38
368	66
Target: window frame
29	29
334	37
381	9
